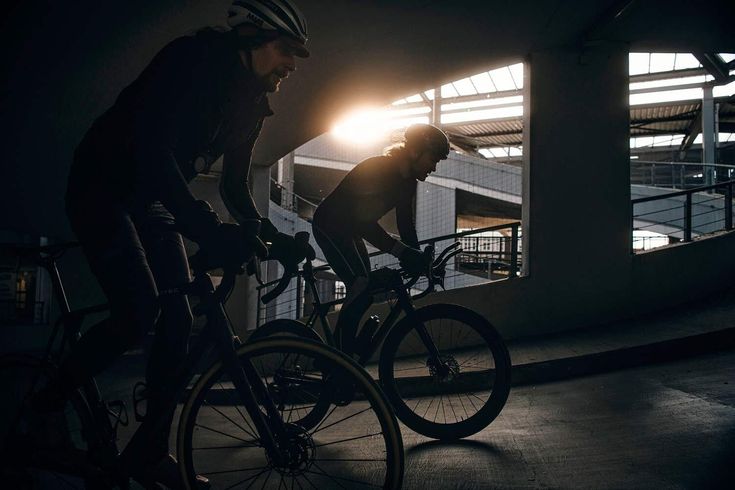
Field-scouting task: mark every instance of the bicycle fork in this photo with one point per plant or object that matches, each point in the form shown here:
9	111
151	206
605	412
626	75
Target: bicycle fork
404	300
252	389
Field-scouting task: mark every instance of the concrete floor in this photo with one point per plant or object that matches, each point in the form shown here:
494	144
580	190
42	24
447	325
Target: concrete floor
664	426
668	425
644	404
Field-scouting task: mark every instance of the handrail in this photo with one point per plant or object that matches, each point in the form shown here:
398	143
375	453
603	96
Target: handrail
514	252
688	203
683	164
297	309
684	192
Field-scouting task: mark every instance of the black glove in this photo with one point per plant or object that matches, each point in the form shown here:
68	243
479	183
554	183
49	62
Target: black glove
283	248
198	222
268	231
414	261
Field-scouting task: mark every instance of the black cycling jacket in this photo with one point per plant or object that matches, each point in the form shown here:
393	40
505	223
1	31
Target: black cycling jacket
193	102
368	191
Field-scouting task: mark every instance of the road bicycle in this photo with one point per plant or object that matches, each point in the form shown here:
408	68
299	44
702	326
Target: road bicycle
444	368
235	428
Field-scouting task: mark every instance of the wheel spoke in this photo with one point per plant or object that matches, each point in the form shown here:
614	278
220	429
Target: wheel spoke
349	439
202	426
343	419
359	428
440	401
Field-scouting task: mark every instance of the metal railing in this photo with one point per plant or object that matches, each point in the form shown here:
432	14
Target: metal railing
678	175
487	258
685	214
16	312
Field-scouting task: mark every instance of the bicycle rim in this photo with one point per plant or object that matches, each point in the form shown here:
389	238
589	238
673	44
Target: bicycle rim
462	391
354	445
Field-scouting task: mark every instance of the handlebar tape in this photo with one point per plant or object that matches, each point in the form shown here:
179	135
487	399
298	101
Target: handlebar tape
290	261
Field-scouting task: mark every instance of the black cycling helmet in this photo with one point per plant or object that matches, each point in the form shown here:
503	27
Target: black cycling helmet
281	16
427	137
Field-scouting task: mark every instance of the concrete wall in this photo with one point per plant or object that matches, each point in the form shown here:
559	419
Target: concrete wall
647	282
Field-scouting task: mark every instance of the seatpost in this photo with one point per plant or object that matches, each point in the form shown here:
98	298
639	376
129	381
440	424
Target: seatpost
48	262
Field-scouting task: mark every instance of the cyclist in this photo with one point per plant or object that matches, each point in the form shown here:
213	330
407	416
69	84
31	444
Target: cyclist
202	96
351	213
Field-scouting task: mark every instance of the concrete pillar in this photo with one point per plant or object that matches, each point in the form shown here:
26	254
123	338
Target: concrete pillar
576	184
286	181
709	145
436	108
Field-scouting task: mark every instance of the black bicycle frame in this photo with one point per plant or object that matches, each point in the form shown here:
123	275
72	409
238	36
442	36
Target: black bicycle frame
218	335
403	305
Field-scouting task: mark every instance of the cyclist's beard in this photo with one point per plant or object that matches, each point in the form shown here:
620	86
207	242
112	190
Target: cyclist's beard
271	82
417	173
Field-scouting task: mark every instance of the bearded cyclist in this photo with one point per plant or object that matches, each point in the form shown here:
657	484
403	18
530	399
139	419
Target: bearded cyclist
201	97
350	214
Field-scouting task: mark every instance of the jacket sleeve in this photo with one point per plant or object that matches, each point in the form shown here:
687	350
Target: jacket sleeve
377	236
405	217
166	94
234	187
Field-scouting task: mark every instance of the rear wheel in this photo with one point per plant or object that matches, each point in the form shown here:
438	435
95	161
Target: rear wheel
460	392
355	445
316	401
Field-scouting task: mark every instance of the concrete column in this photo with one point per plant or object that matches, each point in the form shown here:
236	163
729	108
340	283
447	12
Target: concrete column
286	181
709	145
436	108
576	184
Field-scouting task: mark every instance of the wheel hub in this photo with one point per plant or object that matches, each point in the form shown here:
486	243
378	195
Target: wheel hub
445	370
298	452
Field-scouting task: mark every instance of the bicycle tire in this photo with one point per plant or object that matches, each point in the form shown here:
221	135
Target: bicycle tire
462	396
285	326
59	462
312	414
356	445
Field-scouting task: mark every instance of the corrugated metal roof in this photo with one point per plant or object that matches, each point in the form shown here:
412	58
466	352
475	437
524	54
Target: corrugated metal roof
661	118
659	111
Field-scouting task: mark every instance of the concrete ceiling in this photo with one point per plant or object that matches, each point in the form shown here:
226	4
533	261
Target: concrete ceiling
65	62
375	52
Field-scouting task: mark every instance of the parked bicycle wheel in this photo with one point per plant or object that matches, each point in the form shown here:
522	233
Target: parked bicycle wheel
316	401
355	445
462	391
39	450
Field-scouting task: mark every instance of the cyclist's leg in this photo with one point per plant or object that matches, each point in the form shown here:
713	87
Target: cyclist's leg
168	261
347	255
112	246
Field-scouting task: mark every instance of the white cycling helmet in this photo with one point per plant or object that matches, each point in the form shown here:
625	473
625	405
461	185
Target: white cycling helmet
272	15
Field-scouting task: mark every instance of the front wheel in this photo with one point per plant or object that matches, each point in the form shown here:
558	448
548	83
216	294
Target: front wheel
354	445
457	393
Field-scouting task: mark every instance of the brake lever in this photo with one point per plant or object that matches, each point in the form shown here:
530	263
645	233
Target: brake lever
442	255
449	256
283	283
